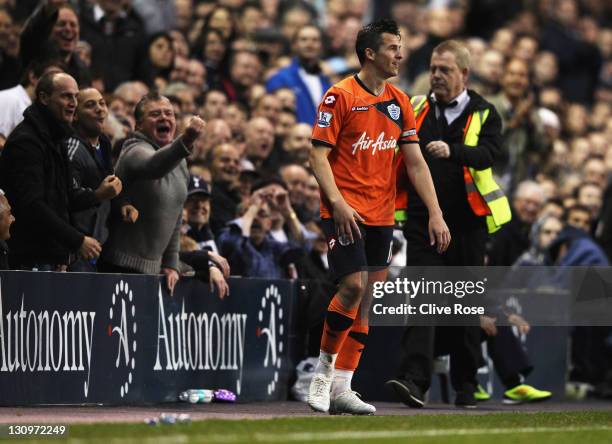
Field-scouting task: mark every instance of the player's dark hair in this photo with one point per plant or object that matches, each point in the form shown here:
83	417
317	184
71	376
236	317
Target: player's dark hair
370	36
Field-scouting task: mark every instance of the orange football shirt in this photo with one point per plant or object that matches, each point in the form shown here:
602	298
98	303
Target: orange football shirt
363	130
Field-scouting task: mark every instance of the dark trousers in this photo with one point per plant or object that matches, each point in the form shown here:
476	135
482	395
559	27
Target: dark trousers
591	356
421	344
508	355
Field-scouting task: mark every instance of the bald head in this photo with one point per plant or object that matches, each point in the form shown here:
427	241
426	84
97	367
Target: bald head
259	138
225	163
57	91
297	143
296	179
528	201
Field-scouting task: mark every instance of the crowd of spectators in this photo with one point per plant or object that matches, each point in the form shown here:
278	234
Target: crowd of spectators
255	71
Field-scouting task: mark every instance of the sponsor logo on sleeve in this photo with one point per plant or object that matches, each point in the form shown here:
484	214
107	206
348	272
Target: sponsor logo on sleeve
330	100
324	120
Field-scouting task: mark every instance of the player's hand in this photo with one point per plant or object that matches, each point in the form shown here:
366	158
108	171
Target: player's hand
109	188
438	149
346	219
439	234
129	214
194	129
90	248
520	323
487	323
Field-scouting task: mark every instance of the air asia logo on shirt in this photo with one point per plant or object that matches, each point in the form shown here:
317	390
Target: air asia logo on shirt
380	144
360	108
324	119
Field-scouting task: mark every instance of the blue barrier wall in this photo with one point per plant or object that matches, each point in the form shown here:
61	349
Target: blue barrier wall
122	339
69	338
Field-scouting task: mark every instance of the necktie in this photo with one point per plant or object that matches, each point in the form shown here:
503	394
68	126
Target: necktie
442	122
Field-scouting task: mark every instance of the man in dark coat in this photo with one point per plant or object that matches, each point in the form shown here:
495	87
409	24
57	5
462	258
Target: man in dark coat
89	153
512	239
116	39
6	219
52	34
225	194
441	136
35	174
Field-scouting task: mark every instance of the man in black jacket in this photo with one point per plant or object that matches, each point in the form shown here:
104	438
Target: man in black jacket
512	240
116	38
441	136
35	174
89	153
52	33
6	219
225	195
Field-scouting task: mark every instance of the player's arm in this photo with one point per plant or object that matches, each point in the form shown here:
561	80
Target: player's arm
345	217
420	176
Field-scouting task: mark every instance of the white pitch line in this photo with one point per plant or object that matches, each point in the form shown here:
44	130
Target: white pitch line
390	434
345	435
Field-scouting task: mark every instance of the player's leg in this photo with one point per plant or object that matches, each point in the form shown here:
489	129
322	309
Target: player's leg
378	243
346	262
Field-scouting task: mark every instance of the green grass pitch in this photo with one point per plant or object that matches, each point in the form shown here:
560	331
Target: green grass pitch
496	428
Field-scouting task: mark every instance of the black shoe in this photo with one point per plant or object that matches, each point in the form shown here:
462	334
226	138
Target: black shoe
407	391
465	400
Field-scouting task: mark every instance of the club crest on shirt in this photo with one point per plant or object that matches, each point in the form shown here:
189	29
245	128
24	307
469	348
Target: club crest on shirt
394	111
324	120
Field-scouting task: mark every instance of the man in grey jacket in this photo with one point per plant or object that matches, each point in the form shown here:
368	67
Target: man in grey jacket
153	169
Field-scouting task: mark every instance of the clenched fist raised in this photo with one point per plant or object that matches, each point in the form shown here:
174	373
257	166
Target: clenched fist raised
194	129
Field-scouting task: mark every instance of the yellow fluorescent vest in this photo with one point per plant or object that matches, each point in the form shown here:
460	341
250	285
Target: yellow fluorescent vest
485	197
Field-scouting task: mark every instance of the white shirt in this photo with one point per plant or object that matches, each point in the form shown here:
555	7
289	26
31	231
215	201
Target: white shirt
451	114
313	84
14	102
98	13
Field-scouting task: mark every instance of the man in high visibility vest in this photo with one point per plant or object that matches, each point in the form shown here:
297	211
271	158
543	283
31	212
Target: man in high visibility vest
460	136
